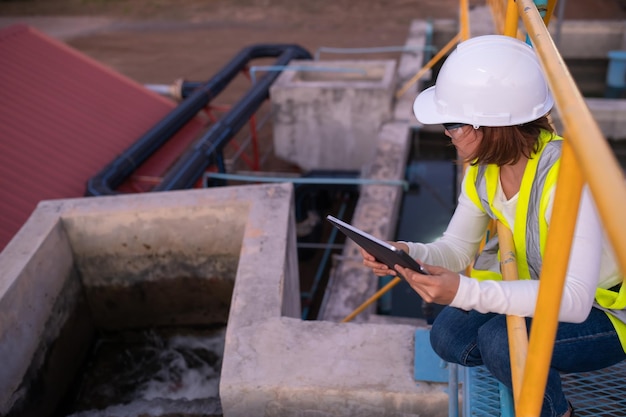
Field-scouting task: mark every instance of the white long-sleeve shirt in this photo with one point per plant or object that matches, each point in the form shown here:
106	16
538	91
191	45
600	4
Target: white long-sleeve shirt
591	262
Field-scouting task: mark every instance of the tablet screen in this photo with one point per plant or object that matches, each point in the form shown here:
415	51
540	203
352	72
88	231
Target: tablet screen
381	250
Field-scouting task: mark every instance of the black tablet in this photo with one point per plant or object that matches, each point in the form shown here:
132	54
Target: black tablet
381	250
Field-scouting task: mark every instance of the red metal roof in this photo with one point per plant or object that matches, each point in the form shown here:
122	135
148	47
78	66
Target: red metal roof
64	117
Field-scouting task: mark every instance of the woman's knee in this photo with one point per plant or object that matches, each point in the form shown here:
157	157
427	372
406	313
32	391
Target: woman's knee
441	340
453	335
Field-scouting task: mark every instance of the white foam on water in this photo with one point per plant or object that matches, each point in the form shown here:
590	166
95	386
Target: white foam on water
187	378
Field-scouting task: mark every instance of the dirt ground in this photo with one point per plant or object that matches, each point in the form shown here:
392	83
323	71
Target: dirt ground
159	41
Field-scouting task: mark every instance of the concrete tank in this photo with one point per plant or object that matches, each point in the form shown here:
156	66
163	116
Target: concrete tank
327	114
133	274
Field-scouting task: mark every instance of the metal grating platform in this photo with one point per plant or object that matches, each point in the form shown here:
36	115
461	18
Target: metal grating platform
484	396
593	394
599	393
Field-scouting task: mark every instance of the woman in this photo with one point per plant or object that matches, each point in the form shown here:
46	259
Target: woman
492	99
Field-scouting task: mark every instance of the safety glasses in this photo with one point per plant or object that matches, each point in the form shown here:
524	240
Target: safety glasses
452	126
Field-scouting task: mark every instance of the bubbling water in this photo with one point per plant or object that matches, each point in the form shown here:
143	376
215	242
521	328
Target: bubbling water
152	373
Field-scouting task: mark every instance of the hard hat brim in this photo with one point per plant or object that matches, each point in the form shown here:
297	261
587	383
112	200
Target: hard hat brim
425	109
428	112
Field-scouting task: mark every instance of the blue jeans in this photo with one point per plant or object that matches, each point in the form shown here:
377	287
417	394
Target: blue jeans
473	339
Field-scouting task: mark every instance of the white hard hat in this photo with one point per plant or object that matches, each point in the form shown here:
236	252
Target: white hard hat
490	80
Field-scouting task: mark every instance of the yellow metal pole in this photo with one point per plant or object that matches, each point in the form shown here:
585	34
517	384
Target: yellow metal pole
593	154
429	65
464	18
550	11
373	298
512	18
516	325
551	281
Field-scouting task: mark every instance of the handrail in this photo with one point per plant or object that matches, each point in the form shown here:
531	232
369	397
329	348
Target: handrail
598	163
395	281
585	156
551	283
442	52
463	34
583	148
516	325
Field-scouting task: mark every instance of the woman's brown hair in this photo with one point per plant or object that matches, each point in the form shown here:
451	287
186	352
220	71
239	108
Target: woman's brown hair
507	144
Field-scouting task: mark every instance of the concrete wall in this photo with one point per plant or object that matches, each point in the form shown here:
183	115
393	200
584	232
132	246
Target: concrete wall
326	114
131	262
609	114
274	363
156	267
587	38
44	322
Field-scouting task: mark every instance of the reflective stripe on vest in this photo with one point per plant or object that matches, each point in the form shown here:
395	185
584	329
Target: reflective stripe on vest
529	249
551	153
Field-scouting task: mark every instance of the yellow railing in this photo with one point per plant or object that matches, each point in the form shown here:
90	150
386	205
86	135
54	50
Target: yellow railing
586	158
462	35
516	325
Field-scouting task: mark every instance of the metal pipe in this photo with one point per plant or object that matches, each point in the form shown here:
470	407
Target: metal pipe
322	265
299	180
511	20
542	8
160	89
319	245
191	165
395	281
516	325
462	35
429	42
464	31
584	148
429	65
114	174
551	282
453	390
559	21
246	141
550	11
593	153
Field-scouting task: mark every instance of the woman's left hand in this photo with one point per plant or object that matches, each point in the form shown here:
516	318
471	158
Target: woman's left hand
439	287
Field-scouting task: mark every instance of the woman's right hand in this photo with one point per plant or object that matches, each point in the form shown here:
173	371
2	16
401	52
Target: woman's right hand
380	269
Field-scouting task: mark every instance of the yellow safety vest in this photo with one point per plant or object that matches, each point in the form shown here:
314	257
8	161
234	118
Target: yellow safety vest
538	181
531	229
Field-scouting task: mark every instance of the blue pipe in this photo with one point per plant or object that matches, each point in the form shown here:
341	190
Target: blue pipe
320	269
453	390
191	165
114	174
300	180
